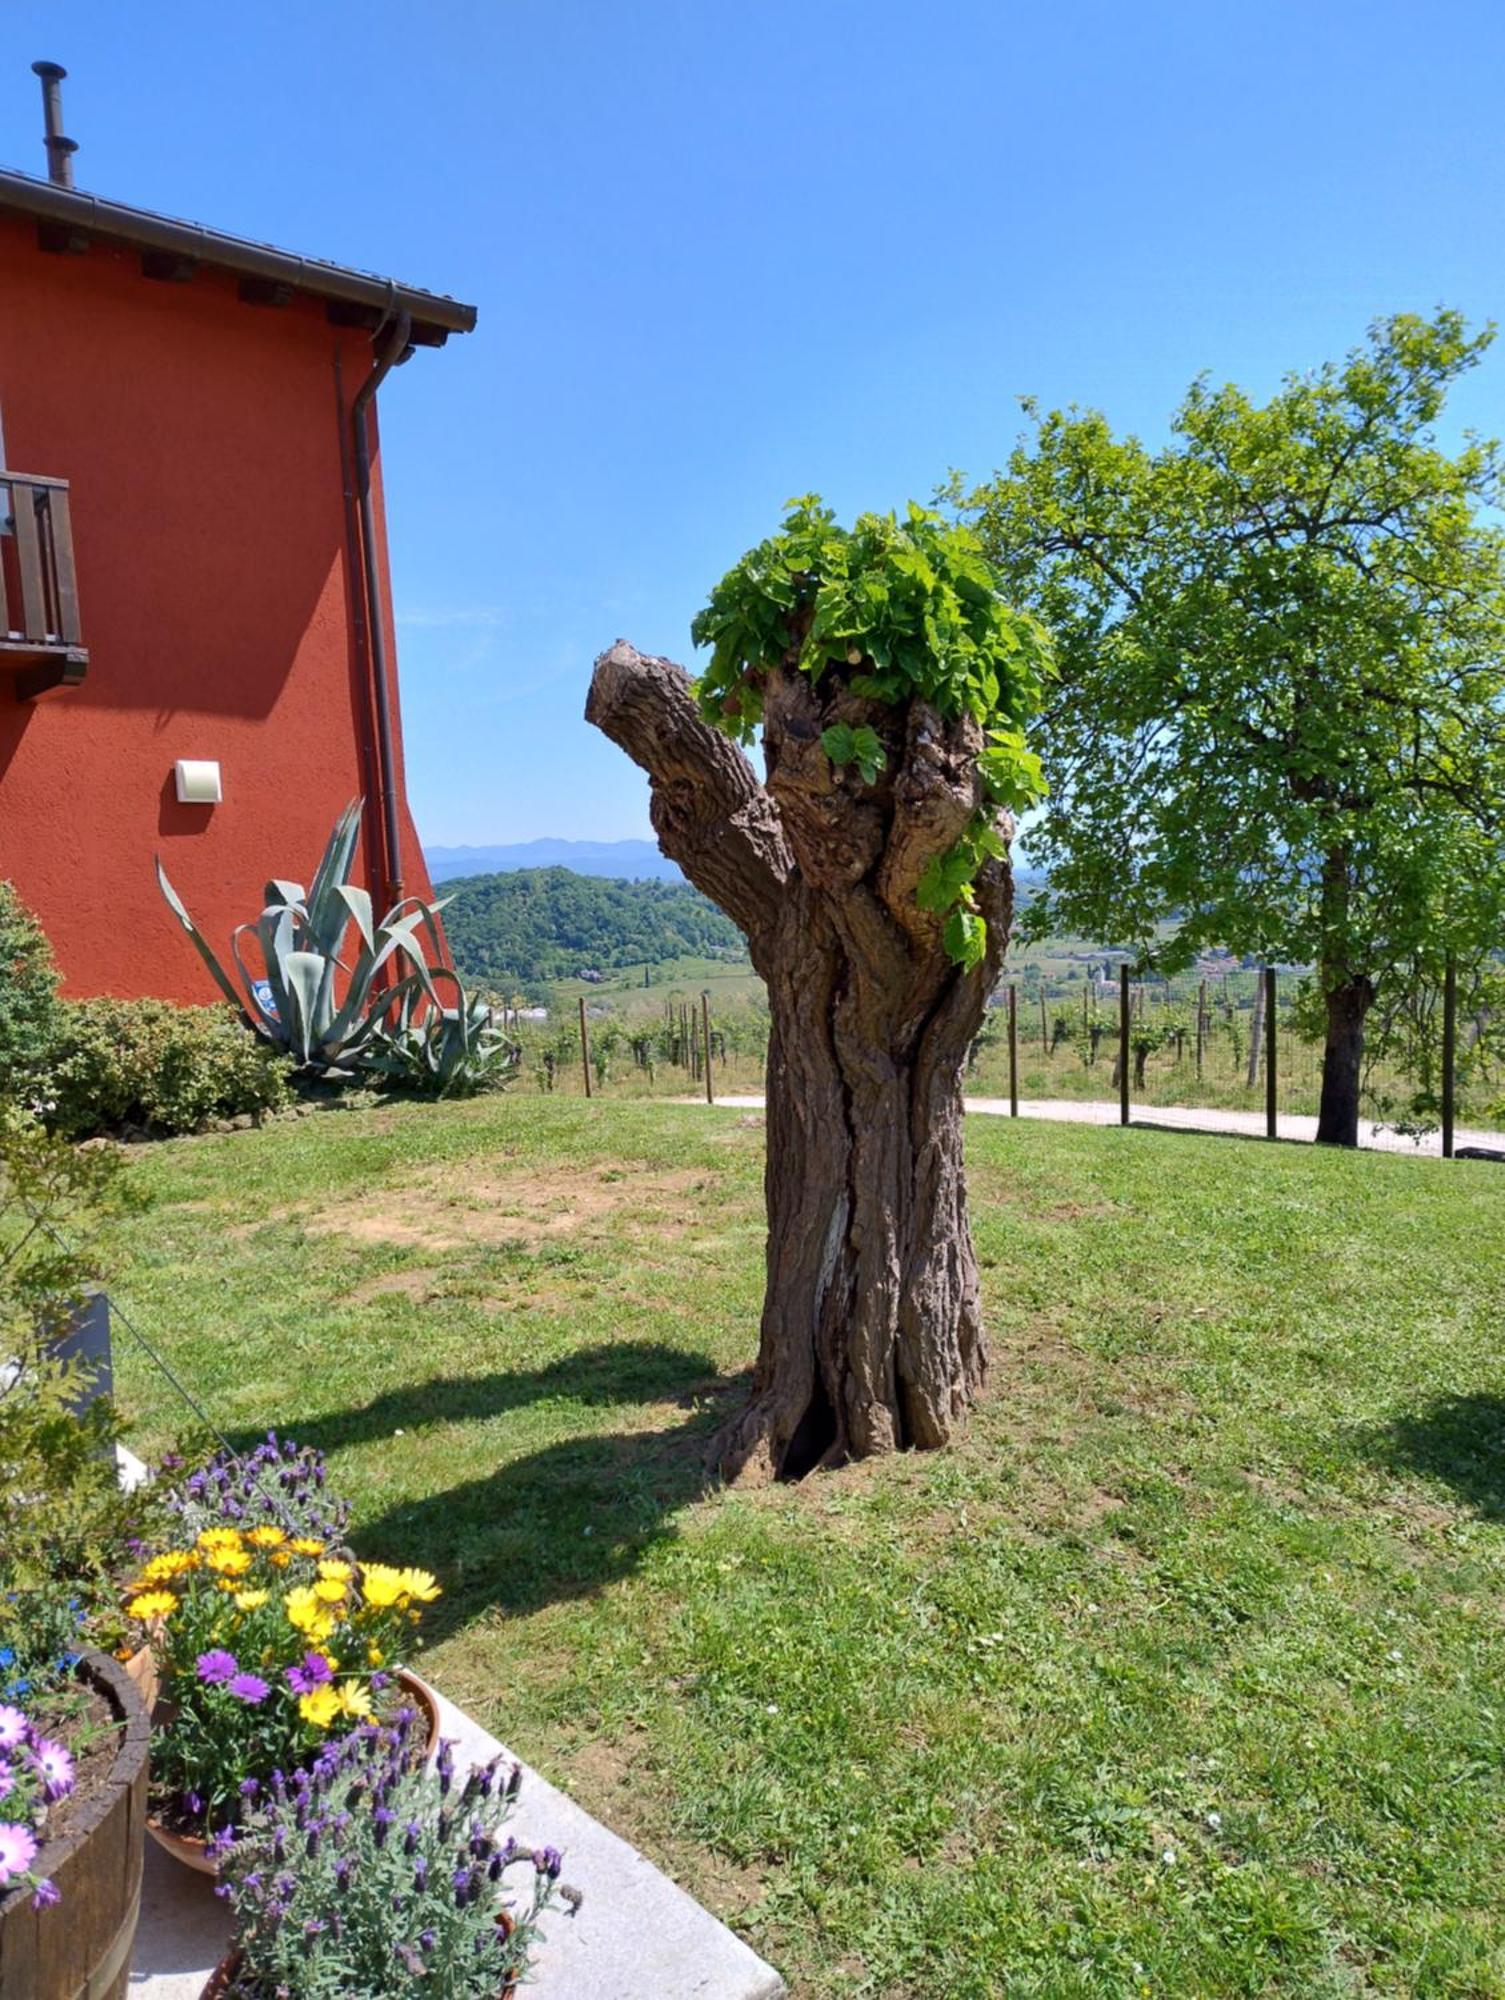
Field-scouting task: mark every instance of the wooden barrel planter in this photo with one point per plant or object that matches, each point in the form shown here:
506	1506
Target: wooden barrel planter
80	1949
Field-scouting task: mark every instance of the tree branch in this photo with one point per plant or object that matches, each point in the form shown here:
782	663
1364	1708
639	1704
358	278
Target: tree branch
709	811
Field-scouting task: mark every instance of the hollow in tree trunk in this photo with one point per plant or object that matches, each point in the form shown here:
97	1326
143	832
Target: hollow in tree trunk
872	1336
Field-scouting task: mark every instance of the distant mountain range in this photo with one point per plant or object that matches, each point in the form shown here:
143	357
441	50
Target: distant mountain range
618	860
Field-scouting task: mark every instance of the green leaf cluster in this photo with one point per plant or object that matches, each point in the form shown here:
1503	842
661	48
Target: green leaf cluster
900	609
892	611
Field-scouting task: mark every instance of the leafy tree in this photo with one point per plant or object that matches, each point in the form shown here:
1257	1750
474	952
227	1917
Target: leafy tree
1280	636
870	875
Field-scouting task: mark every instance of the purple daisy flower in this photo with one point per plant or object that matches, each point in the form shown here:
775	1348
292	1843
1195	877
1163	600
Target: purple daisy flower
17	1852
54	1767
46	1896
249	1688
314	1672
12	1728
217	1667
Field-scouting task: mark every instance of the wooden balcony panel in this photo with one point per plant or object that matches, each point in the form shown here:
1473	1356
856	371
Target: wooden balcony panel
41	639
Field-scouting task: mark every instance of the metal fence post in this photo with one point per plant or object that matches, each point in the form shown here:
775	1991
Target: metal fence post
1201	1027
705	1021
585	1047
1449	1053
1272	1129
1124	1003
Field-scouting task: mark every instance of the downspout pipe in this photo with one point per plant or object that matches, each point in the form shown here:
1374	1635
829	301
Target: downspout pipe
391	343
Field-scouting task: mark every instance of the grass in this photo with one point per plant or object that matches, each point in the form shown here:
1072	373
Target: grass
1180	1675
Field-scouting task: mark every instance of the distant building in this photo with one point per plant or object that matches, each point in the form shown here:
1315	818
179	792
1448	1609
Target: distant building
196	647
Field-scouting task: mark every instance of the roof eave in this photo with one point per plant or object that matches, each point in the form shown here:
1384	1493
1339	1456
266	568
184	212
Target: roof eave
434	316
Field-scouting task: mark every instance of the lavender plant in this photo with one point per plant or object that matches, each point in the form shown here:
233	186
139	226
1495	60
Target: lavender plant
280	1483
367	1877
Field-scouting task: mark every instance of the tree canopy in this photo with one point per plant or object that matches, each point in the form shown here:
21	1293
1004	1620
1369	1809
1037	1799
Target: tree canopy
1280	712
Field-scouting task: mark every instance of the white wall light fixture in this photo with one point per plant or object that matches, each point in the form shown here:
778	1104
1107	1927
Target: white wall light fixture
198	781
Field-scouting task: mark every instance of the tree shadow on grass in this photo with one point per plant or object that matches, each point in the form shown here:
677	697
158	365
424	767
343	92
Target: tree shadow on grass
1457	1439
557	1523
628	1371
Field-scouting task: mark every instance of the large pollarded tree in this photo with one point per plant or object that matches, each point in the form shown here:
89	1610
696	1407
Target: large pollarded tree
869	870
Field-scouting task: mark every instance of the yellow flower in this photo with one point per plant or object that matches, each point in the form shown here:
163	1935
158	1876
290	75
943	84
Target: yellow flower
374	1656
280	1557
355	1700
306	1612
418	1583
328	1591
305	1545
382	1585
152	1604
220	1538
251	1600
336	1572
266	1536
230	1562
171	1563
321	1706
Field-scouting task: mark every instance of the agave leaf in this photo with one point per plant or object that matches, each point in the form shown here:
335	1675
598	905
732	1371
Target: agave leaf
327	912
221	978
283	892
358	902
307	976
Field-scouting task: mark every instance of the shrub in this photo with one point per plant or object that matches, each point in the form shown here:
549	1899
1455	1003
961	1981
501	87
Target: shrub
30	1011
66	1527
167	1069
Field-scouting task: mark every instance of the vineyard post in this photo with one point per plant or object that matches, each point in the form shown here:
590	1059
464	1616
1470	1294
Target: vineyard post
1087	1005
585	1047
1044	1024
1449	1052
1013	1051
705	1019
1201	1026
1125	1002
1271	1126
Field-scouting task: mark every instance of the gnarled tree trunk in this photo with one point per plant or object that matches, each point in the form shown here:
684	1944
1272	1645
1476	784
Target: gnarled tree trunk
872	1334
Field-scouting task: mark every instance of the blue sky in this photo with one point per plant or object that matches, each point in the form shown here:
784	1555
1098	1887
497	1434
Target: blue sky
729	250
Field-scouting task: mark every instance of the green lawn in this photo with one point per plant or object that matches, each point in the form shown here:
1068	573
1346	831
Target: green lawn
1183	1675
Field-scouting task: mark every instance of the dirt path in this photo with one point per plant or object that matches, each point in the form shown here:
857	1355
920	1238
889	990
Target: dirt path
1249	1124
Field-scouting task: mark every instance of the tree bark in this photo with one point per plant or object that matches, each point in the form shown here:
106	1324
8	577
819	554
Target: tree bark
1348	996
1348	1001
872	1336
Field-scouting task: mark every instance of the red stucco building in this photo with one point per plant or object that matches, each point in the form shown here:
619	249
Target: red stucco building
194	568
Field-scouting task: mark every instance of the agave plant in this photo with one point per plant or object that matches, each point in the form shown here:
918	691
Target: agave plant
450	1051
330	1016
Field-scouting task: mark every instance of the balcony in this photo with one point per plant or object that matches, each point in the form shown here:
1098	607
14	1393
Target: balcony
39	628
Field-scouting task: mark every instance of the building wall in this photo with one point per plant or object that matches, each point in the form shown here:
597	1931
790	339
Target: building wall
202	441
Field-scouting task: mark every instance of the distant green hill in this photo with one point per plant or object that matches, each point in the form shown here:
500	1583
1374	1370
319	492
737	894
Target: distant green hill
530	926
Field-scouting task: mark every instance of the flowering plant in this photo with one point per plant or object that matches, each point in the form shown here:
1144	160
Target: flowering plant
367	1877
35	1773
264	1643
279	1481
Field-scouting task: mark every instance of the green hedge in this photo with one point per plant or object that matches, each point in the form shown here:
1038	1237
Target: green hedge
30	1011
160	1068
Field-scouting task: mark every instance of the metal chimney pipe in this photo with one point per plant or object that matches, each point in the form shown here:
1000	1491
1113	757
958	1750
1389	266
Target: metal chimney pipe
60	151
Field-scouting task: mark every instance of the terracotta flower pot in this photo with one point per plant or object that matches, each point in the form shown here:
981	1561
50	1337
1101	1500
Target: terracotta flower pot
193	1849
82	1945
